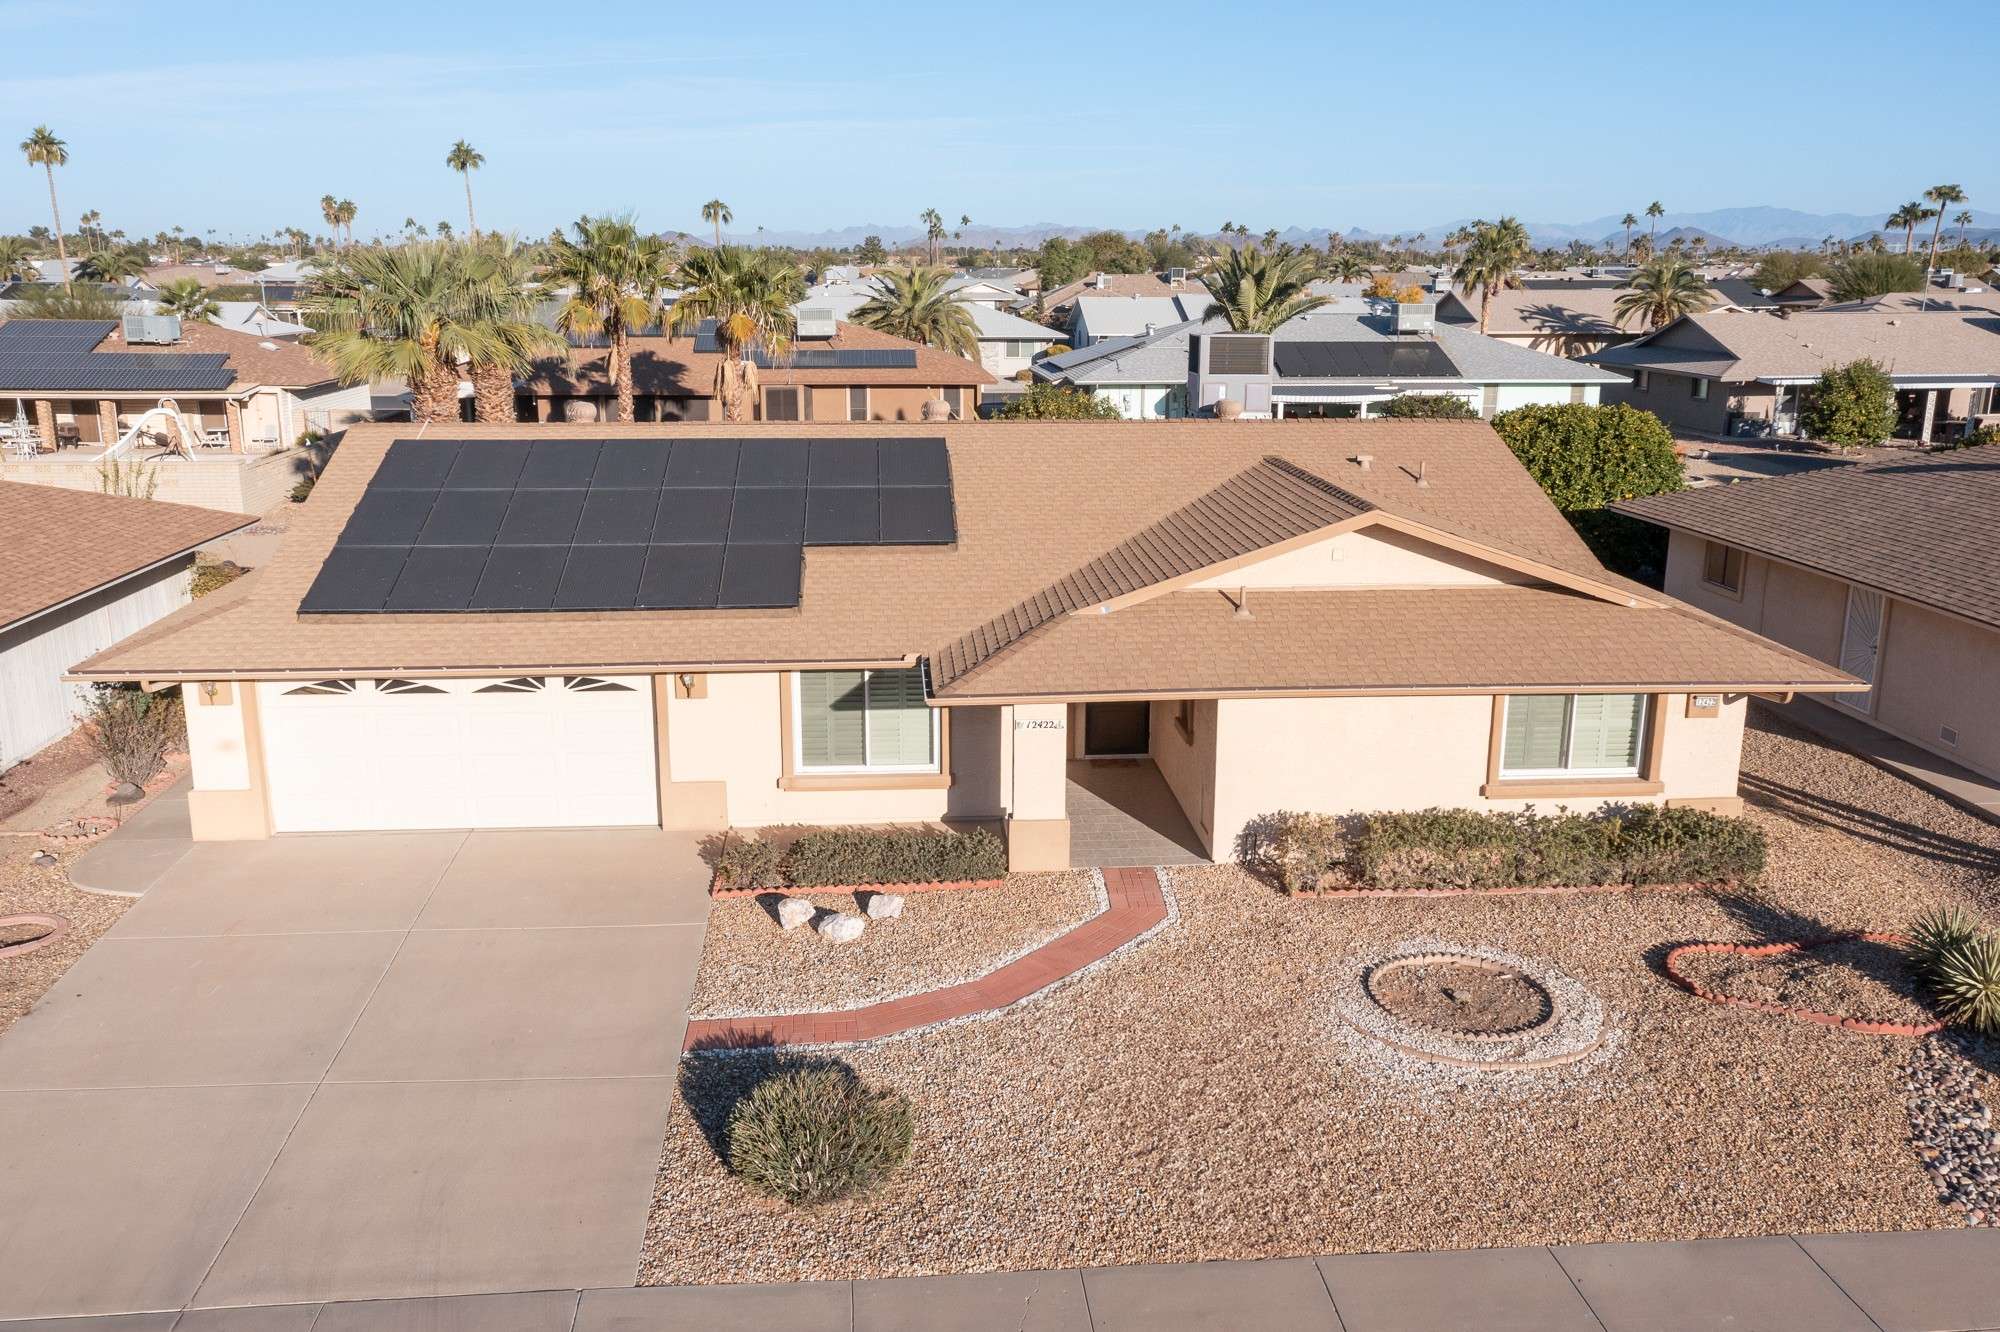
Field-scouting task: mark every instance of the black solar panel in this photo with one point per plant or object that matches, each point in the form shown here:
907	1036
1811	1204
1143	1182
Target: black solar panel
65	334
816	358
1417	358
627	524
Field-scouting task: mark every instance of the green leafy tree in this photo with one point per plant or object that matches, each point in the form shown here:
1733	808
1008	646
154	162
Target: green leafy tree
1852	405
1662	291
1059	263
1428	407
43	149
465	159
1584	457
1907	217
1052	402
870	251
1781	268
1862	276
1257	292
913	303
1114	252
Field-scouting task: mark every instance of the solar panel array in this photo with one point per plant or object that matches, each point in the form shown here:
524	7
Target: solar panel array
622	524
57	355
1414	359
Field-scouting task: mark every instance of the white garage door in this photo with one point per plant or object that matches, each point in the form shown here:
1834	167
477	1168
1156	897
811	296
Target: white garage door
527	752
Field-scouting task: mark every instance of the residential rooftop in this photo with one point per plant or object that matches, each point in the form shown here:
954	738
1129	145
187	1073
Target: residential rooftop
1743	345
684	365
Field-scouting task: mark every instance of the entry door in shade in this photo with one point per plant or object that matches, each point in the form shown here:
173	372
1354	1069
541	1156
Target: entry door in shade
1116	730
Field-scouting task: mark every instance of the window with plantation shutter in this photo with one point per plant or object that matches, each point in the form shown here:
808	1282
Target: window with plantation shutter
1573	735
863	721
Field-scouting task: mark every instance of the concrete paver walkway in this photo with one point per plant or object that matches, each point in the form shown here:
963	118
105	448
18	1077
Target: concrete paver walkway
319	1068
1925	1281
1121	812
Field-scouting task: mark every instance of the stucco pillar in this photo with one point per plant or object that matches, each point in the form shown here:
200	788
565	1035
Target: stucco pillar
1038	803
1930	415
234	410
45	422
107	422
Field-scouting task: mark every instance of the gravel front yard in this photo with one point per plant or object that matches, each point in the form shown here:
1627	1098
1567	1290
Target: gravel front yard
1199	1099
24	889
750	967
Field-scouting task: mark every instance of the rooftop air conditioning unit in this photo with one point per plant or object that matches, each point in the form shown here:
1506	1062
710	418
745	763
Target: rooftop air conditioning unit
1177	275
152	329
1415	317
817	321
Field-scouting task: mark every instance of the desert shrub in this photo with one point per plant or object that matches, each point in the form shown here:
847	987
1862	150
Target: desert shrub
813	1134
750	862
1936	933
1966	982
132	730
1428	406
1463	848
209	575
893	855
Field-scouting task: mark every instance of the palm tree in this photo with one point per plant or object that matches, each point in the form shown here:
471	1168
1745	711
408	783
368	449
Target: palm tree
84	224
17	255
716	212
1497	250
1628	222
1655	212
608	278
1662	291
1964	220
933	231
1345	267
749	294
112	266
465	159
45	150
348	209
1944	196
504	296
329	208
912	303
190	300
1258	292
1907	218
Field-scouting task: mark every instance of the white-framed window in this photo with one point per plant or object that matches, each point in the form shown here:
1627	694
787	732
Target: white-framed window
1572	735
862	722
857	402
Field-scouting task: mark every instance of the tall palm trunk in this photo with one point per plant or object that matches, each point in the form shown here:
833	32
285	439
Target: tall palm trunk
621	372
493	395
434	394
1909	236
471	222
1937	225
62	251
1485	304
718	232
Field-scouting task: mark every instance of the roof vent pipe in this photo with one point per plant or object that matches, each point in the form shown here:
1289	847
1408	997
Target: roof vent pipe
1242	603
1362	460
1422	483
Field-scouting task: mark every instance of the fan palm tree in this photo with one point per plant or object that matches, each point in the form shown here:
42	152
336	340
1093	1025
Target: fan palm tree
190	300
1943	196
347	210
1628	222
465	159
1907	218
1258	292
933	231
1655	212
913	303
502	275
45	150
608	278
17	255
1661	292
329	208
749	294
715	213
112	266
1497	250
1345	266
1963	219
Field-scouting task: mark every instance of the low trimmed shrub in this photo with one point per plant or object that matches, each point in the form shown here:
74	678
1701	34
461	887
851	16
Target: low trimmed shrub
1298	850
1463	848
842	856
750	862
813	1134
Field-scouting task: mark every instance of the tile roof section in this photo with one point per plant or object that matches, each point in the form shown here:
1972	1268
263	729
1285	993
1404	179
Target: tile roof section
1920	528
59	544
1267	503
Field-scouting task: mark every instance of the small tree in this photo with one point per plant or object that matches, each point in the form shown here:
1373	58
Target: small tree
1868	275
1852	405
1586	456
870	251
1051	402
1428	407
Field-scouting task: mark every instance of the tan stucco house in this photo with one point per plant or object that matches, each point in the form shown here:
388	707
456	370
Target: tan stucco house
1885	569
702	625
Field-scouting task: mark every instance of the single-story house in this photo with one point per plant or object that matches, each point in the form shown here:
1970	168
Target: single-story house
705	625
834	371
1571	316
1728	372
1008	344
83	571
1095	318
1804	294
1059	305
1326	364
1885	569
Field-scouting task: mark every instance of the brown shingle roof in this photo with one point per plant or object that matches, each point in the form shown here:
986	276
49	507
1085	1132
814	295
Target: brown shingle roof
274	361
58	544
672	368
1921	529
1746	345
1119	284
1036	502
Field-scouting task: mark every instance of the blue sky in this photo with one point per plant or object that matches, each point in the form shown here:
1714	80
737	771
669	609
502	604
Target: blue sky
809	116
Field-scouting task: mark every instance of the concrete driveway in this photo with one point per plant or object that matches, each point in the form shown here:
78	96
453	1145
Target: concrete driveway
333	1067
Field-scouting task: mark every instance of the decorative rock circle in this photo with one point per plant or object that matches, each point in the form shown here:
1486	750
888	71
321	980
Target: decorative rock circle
1559	1021
55	927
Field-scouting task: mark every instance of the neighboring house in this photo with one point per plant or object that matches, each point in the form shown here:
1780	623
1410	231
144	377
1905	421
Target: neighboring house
1571	316
1728	372
1887	569
131	297
152	386
1804	294
83	572
1324	364
1095	318
850	373
1008	344
1059	305
710	626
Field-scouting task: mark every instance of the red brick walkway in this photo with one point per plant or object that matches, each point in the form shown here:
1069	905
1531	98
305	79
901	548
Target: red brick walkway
1137	904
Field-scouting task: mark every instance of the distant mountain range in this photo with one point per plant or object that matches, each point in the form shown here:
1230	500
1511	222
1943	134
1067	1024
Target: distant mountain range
1764	226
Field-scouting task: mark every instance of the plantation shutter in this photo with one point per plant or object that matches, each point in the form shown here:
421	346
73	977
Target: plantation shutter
1533	737
830	719
899	724
1605	735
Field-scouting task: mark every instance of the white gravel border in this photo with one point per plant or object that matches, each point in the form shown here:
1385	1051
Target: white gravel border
1104	904
1576	1037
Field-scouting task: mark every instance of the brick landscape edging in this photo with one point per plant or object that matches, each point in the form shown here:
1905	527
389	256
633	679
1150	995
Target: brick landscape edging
806	890
1138	906
1862	1026
1510	891
58	926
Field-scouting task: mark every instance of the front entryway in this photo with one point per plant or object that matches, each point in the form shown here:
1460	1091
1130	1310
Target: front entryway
560	751
1122	813
1117	730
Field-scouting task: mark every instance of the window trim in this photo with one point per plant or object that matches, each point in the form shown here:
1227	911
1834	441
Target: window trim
867	407
1734	591
794	776
798	402
1645	782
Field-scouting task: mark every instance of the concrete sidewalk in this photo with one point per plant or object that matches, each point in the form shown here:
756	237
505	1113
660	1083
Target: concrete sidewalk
1922	1281
144	848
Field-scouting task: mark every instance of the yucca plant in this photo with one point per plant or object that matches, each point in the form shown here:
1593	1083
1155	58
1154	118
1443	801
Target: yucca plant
1967	982
1936	933
816	1133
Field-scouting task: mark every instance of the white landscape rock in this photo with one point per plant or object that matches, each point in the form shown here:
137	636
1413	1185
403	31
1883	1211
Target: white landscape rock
839	928
794	912
884	906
